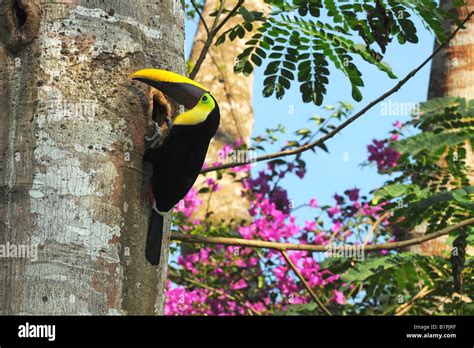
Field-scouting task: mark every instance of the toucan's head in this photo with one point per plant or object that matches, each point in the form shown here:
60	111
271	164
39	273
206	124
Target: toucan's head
192	95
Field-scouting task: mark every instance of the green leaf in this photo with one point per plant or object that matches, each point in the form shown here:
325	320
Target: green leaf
323	147
396	190
256	60
295	32
220	40
356	94
304	132
246	14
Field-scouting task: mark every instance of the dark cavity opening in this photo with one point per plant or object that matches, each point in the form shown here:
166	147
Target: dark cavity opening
160	109
20	15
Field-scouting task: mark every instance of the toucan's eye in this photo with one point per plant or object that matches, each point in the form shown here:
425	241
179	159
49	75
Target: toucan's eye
205	99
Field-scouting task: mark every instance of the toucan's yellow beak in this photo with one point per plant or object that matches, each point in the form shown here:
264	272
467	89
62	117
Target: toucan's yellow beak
185	91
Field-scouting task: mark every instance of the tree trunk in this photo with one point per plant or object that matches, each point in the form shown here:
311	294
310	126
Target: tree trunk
452	70
73	183
452	75
234	94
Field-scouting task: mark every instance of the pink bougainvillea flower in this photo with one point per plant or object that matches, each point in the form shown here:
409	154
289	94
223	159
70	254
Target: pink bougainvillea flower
353	194
334	210
310	225
338	297
212	184
337	227
384	156
245	168
189	204
339	199
300	173
241	284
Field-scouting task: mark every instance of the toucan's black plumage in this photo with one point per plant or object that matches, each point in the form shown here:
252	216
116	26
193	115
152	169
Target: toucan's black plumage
176	166
177	163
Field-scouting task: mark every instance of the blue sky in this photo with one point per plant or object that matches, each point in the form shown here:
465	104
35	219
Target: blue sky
330	173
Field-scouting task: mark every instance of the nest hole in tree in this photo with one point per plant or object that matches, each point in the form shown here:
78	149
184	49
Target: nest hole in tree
21	21
20	14
161	107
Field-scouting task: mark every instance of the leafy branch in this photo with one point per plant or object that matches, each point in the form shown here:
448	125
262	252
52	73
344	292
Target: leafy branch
195	239
323	139
284	247
211	33
203	21
298	41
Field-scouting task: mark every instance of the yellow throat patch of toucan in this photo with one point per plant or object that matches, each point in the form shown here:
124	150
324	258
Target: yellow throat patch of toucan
198	114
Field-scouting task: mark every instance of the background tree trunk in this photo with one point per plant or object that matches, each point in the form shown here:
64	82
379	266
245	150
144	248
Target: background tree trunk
452	70
72	178
452	75
234	94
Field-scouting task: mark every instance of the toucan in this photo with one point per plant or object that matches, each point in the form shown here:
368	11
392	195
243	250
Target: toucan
180	158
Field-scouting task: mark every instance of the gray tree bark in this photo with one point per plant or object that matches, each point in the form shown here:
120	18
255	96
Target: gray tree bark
72	178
